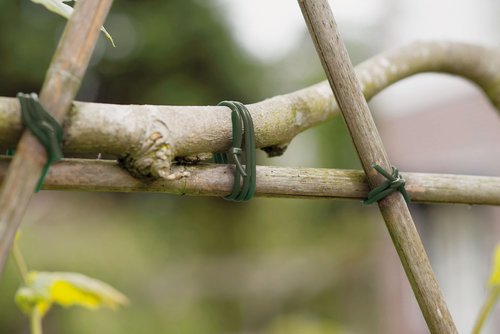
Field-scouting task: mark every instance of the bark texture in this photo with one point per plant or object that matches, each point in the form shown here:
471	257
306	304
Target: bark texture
150	137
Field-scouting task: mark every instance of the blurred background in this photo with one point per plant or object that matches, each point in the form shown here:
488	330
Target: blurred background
270	266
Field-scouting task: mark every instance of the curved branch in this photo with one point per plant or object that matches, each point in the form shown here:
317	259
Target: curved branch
151	136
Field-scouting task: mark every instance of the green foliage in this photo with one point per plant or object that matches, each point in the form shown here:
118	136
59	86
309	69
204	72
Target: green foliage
493	292
182	54
43	289
494	280
168	52
303	325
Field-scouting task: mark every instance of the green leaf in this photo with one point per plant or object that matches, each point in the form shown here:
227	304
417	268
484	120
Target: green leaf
495	271
59	7
44	289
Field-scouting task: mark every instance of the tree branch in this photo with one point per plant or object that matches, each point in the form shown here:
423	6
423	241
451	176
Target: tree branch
152	136
288	182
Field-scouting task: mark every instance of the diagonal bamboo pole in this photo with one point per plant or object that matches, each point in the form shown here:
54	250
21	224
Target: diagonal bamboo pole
287	182
347	91
61	84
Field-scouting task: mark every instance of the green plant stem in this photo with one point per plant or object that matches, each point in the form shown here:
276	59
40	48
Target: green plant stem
36	321
20	263
490	302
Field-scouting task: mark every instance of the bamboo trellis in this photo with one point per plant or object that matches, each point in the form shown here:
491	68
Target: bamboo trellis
316	105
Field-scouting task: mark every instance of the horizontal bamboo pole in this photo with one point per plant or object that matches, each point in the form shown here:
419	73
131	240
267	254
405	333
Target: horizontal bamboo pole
217	180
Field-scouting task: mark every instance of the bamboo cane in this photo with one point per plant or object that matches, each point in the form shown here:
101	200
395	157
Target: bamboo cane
285	182
61	84
347	91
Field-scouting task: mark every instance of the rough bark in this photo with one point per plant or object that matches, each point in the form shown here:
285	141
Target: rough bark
151	136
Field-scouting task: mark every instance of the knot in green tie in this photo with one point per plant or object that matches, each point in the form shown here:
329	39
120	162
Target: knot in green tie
44	127
394	182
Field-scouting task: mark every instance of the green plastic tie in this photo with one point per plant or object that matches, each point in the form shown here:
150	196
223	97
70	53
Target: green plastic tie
44	127
393	183
243	144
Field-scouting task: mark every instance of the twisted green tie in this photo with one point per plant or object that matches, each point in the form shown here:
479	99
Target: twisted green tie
243	142
44	127
393	183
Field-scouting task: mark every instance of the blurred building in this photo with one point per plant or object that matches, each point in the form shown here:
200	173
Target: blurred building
441	124
457	136
429	123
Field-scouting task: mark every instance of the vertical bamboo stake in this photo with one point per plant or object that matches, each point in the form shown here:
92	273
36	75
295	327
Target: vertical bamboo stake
347	91
61	84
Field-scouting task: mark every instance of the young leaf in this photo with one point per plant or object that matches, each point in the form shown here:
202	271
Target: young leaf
59	7
493	295
495	272
66	289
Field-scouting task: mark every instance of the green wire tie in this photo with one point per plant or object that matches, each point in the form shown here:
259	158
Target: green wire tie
44	127
393	183
243	142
